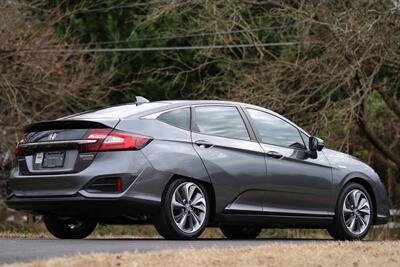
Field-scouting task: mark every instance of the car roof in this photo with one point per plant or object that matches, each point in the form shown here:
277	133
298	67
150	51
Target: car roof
177	103
181	103
133	110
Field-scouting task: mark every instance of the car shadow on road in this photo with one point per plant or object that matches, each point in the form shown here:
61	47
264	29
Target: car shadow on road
155	239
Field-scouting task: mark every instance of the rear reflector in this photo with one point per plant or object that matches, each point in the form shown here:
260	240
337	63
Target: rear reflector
119	184
111	140
106	185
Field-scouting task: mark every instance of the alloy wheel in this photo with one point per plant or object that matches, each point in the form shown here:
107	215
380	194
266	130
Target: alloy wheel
356	212
188	207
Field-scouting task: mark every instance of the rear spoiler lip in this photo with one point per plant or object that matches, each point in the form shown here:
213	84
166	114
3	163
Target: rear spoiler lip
72	124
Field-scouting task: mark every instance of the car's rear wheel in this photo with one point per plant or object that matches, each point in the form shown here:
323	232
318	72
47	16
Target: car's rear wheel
241	232
354	214
69	228
184	210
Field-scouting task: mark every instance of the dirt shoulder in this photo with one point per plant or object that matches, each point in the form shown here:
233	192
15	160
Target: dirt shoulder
325	254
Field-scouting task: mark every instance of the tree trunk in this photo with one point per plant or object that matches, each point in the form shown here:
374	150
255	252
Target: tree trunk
391	186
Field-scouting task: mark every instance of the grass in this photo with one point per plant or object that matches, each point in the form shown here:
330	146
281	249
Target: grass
38	230
274	254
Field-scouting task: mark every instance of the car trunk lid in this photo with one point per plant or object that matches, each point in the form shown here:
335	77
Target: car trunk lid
55	147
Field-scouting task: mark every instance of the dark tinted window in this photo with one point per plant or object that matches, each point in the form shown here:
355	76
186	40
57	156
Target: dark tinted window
179	117
276	131
221	121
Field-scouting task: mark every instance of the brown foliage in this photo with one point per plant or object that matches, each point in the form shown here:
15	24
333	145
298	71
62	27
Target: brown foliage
348	60
40	86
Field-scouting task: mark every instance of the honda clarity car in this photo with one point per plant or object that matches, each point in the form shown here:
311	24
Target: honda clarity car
187	165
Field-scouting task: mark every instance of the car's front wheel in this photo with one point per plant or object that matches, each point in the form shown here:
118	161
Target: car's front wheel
354	214
184	210
241	232
69	228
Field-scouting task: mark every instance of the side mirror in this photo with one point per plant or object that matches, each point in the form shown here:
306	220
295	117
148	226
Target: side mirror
316	143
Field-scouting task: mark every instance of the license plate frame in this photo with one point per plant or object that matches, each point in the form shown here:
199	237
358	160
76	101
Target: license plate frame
53	159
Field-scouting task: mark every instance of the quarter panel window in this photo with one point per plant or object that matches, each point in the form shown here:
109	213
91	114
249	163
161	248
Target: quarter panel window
179	118
276	131
221	121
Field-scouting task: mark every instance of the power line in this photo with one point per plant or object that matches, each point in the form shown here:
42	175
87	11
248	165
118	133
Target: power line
148	49
107	9
204	34
104	9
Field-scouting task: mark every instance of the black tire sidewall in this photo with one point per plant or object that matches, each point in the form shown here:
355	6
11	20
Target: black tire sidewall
59	229
339	211
168	215
241	232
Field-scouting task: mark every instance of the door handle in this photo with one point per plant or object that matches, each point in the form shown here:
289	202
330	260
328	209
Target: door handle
274	154
203	144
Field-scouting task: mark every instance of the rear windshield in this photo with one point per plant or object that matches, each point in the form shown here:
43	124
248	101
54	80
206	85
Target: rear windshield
121	111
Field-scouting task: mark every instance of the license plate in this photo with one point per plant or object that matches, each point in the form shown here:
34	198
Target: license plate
53	160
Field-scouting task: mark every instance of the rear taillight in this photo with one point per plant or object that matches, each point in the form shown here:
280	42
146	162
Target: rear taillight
20	151
95	134
109	140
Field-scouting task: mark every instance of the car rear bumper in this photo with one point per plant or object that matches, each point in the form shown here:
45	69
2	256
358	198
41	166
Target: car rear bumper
69	194
125	164
81	206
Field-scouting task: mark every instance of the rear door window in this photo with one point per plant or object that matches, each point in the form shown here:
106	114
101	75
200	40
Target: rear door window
222	121
178	118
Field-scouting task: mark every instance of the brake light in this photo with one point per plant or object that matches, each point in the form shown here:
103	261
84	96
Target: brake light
20	151
95	134
108	140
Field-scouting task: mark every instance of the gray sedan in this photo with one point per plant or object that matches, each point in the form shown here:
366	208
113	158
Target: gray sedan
186	165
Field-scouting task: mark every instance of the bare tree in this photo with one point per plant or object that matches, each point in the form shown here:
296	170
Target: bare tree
341	81
38	86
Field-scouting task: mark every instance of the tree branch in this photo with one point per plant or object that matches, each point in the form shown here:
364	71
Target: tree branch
392	102
362	121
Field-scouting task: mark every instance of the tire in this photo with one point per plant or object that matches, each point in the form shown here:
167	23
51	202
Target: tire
241	232
69	228
183	219
359	219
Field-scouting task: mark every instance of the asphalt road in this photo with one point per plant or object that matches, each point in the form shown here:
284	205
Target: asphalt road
13	250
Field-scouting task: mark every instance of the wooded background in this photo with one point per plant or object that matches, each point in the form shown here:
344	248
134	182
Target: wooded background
330	66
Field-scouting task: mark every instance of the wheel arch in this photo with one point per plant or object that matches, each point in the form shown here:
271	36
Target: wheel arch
209	188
